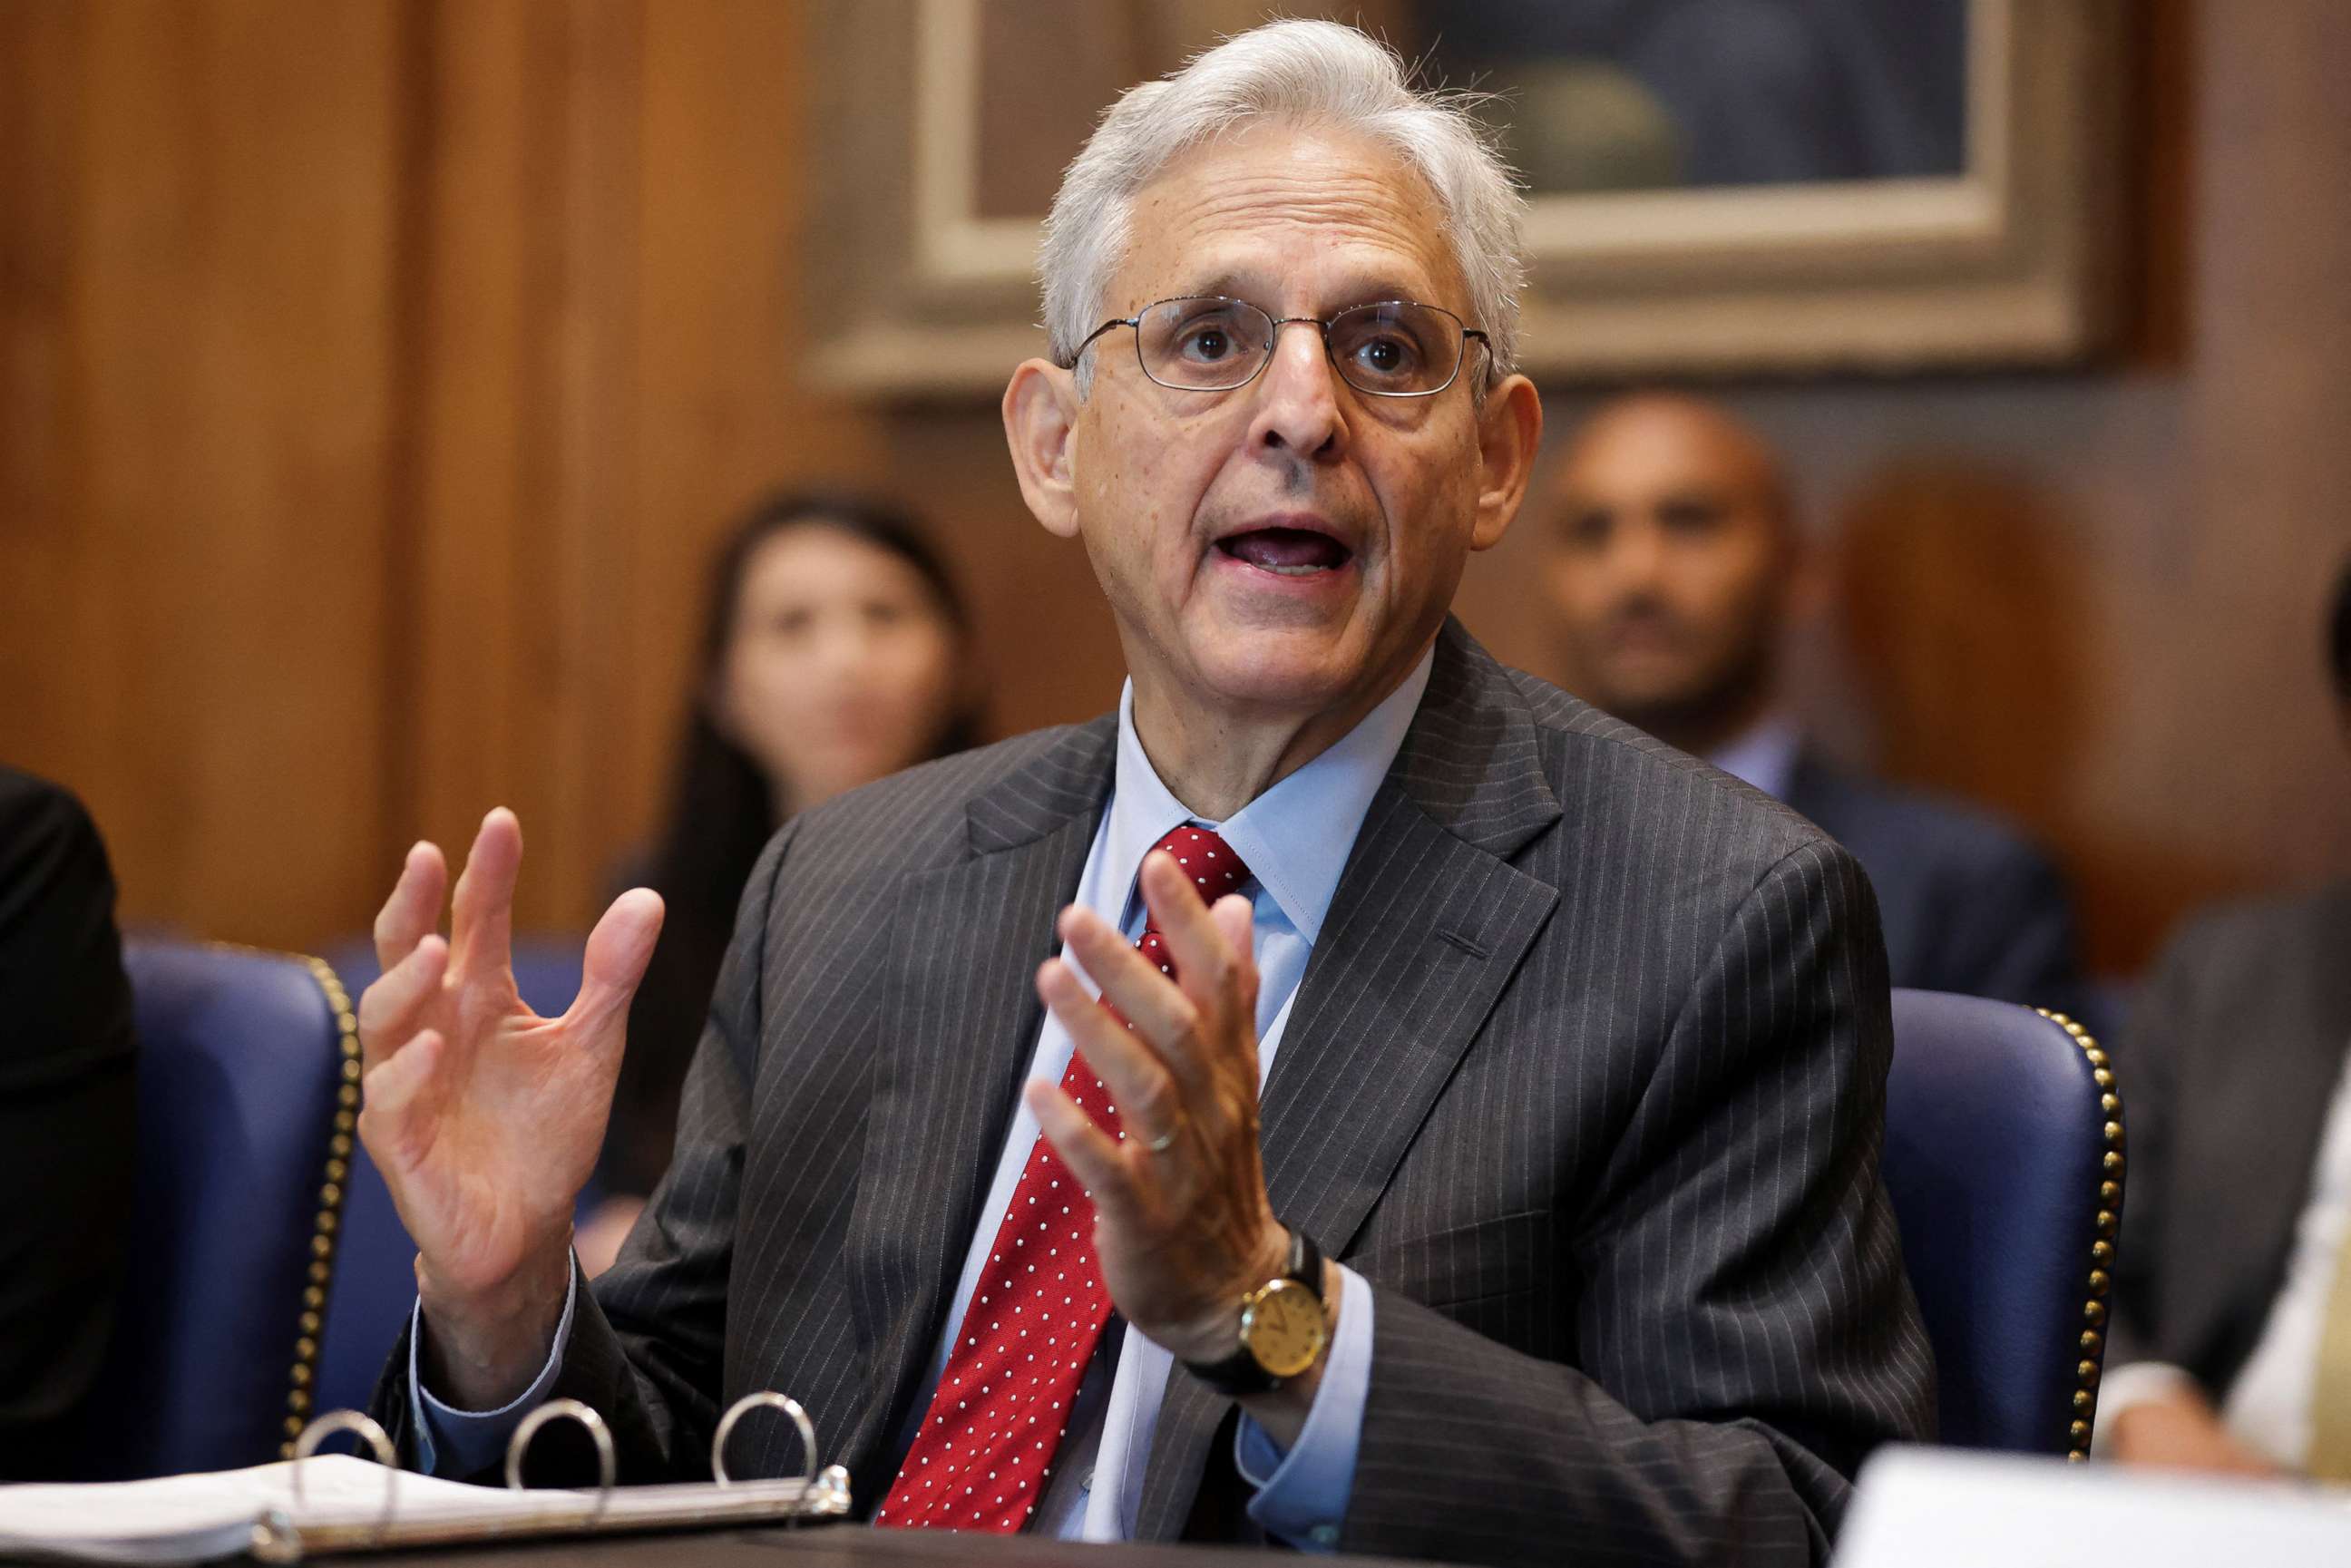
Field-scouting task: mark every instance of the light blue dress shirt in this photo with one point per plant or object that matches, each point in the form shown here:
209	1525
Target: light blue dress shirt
1295	838
1763	755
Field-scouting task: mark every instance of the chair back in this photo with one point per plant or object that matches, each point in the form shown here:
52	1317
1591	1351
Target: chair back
2003	1156
247	1094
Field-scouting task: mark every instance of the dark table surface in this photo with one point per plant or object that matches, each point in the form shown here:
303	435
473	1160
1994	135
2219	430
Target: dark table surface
829	1546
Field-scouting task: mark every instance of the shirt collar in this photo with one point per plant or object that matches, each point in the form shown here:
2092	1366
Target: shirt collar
1295	837
1763	755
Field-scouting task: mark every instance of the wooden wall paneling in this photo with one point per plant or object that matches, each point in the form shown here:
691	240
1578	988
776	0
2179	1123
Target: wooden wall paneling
42	50
197	352
526	485
728	157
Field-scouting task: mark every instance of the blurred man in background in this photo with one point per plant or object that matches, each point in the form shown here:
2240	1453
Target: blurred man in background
2232	1284
68	1120
1675	565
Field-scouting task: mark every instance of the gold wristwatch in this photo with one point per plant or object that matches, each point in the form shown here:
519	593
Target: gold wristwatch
1283	1329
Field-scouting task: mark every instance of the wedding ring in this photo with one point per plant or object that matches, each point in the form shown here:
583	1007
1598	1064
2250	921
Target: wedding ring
1162	1143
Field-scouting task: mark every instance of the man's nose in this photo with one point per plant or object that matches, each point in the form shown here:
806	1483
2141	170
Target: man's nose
1298	402
842	646
1639	555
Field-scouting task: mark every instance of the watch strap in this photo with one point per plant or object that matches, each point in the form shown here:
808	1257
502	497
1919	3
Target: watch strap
1239	1375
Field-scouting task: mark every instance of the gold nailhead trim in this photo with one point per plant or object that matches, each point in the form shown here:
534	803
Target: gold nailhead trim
2107	1223
320	1271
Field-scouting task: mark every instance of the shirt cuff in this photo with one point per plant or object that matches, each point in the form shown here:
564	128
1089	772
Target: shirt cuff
2125	1387
456	1442
1301	1496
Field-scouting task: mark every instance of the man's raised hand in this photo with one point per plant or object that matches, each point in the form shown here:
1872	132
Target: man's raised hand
484	1118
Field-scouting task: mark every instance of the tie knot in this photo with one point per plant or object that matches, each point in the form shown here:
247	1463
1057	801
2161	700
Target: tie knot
1208	860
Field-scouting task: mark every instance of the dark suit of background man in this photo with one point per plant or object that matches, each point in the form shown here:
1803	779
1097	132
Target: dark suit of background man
1577	1048
69	1119
1675	566
2231	1346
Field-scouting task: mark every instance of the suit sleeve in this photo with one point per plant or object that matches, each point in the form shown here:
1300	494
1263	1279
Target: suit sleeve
2014	940
2147	1066
647	1341
68	1120
1744	1331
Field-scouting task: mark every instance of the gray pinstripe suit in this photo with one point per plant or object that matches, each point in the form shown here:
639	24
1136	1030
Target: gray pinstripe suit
1585	1075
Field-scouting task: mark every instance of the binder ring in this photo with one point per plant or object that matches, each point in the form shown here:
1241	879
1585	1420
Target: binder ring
557	1410
767	1398
363	1426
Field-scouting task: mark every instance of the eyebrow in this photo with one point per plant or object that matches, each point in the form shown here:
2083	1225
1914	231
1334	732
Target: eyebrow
1369	289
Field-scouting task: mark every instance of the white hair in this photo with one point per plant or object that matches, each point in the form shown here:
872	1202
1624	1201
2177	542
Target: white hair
1311	71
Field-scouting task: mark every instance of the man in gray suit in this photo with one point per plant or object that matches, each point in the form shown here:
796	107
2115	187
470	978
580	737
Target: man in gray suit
1568	1052
2232	1345
1676	568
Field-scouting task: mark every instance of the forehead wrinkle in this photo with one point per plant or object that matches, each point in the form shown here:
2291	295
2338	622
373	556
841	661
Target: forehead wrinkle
1228	202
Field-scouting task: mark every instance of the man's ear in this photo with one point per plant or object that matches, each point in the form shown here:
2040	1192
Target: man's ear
1510	432
1040	412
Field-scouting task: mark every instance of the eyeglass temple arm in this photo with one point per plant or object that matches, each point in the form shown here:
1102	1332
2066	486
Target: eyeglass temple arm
1079	352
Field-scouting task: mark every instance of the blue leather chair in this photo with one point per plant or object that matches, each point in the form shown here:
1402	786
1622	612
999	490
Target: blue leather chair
248	1091
375	1277
2004	1157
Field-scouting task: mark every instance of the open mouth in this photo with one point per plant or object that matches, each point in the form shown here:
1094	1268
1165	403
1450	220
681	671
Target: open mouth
1287	552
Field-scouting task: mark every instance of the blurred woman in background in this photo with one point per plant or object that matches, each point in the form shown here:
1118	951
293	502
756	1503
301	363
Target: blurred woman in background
835	650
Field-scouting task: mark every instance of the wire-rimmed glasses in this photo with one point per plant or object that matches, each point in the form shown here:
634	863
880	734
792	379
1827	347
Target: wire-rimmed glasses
1392	348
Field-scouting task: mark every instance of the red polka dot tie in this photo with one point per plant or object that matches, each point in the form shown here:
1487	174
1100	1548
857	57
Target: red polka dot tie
988	1441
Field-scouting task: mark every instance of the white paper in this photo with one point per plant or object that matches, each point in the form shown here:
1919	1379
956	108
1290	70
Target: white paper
188	1519
1928	1508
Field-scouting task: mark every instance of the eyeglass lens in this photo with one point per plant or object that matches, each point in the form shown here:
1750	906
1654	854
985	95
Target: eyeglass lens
1391	349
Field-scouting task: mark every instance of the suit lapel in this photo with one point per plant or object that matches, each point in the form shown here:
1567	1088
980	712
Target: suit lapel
1427	925
961	1018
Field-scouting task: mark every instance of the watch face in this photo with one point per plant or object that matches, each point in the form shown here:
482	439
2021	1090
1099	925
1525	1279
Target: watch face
1283	1328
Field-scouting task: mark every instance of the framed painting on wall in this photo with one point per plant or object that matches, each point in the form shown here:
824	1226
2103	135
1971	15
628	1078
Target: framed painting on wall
1714	186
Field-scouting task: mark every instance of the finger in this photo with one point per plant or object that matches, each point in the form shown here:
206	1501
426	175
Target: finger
415	906
1208	965
390	1007
394	1094
1092	1156
1138	988
1236	921
481	914
1235	918
618	951
1142	1089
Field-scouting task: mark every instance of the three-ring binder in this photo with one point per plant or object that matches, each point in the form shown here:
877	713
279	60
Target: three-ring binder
283	1535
